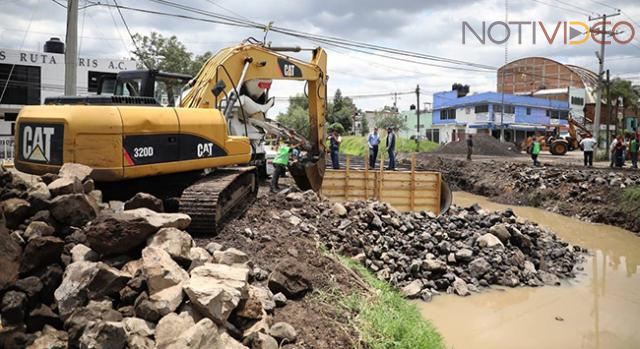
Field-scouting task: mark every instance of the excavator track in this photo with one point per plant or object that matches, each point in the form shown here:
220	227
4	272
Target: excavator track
218	197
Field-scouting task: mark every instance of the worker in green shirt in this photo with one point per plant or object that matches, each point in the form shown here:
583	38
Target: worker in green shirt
633	150
535	151
280	163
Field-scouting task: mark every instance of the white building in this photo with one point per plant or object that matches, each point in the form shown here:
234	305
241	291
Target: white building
27	78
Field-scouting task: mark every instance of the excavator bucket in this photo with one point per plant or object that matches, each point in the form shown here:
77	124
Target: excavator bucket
446	197
308	175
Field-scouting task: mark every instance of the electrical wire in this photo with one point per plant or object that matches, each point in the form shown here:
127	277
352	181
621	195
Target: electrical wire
575	10
139	52
220	19
115	24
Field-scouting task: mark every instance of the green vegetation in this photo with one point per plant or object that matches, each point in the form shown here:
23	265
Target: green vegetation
384	318
357	146
631	197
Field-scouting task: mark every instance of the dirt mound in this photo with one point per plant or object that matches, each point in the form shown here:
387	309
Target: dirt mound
482	145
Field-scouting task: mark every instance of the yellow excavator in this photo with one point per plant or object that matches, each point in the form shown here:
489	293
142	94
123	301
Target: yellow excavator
215	122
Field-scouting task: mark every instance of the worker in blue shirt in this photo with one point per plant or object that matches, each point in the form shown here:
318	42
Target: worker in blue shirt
374	141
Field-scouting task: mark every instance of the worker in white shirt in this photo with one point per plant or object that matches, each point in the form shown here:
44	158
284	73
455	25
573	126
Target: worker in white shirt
588	145
612	148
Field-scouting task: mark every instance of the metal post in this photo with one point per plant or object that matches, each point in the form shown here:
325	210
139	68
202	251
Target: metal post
418	117
600	56
71	50
608	85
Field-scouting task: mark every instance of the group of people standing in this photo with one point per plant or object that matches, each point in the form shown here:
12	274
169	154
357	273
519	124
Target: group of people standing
621	145
373	141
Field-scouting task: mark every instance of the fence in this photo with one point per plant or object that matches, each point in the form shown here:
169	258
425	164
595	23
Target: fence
405	190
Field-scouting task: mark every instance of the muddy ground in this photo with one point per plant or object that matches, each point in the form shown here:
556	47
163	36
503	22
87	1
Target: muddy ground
590	194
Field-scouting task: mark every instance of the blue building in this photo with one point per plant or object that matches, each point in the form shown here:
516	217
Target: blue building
456	114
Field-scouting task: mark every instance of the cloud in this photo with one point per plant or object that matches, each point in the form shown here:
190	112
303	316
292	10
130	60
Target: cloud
426	26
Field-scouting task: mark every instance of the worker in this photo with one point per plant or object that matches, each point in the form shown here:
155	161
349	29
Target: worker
469	147
280	163
334	148
391	148
373	141
618	152
588	144
633	150
535	151
612	149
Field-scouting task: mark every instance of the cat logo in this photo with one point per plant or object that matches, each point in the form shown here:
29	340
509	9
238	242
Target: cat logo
41	143
289	69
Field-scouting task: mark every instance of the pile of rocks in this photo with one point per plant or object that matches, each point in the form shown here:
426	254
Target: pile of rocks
589	194
80	273
460	252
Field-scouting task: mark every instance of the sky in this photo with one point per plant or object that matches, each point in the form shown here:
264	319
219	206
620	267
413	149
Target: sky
432	27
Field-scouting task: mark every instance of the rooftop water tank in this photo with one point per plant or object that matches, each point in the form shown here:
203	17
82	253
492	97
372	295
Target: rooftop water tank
54	45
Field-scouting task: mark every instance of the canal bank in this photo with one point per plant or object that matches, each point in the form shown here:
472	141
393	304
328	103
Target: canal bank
599	309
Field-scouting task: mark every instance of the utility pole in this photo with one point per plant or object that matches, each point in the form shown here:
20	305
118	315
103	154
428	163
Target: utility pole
71	49
608	85
418	117
600	56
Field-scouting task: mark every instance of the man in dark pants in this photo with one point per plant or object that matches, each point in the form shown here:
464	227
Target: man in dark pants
334	147
280	163
373	141
391	148
469	147
588	144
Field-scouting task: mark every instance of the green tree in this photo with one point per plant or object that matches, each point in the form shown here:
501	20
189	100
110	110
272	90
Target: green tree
158	52
297	115
364	130
384	120
624	89
338	127
342	110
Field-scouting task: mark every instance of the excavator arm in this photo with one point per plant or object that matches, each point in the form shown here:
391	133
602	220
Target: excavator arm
219	84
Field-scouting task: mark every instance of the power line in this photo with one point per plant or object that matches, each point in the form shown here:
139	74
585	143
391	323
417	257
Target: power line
575	10
603	4
131	36
220	19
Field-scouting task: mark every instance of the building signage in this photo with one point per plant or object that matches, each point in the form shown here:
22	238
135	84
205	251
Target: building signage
43	58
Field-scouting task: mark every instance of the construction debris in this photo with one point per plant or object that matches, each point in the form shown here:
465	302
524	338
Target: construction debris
482	145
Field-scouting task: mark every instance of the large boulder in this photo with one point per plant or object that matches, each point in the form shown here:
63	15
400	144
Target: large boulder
460	287
41	317
222	272
74	170
121	232
175	242
215	298
198	256
230	256
84	281
65	185
81	252
83	316
38	228
39	191
171	326
15	212
41	251
501	232
203	335
13	307
478	267
10	258
489	240
137	326
144	200
160	270
413	289
104	335
50	338
290	278
74	209
283	332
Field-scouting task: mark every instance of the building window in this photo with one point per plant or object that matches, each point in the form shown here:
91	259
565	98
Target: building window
433	135
483	108
528	111
24	84
94	79
564	115
577	100
553	114
448	114
508	109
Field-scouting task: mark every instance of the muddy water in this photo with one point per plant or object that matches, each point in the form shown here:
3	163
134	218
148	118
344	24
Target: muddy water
599	309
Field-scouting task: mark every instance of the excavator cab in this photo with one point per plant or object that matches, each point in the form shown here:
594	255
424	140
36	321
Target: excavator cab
164	87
